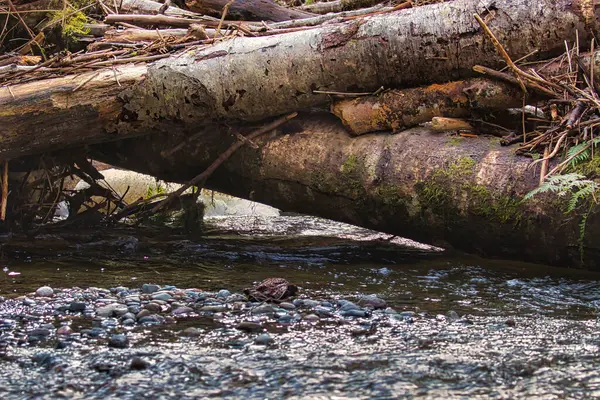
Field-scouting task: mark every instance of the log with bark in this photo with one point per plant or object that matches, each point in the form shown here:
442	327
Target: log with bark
254	78
435	188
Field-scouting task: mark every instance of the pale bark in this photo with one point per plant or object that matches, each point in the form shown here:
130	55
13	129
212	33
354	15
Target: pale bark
427	186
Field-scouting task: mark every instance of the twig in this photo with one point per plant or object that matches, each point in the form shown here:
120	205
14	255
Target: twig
4	192
223	15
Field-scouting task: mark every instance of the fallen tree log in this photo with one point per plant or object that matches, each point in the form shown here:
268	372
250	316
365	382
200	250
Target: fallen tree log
430	187
254	78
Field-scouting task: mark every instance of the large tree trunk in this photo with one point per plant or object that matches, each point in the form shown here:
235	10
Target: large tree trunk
418	184
254	78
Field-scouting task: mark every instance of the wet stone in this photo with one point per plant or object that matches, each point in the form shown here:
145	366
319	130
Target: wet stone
44	291
215	309
162	296
77	306
452	315
153	307
64	330
264	339
151	320
129	322
118	341
192	332
354	313
182	310
310	303
149	288
348	305
143	313
264	309
287	306
311	318
223	293
371	301
138	364
248	326
28	302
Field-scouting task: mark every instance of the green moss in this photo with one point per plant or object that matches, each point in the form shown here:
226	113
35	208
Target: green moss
350	165
455	140
450	192
389	194
71	19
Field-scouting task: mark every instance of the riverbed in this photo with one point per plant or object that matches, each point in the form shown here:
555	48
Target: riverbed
375	317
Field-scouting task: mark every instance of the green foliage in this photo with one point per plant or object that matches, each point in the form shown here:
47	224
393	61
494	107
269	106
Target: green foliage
71	20
154	190
574	184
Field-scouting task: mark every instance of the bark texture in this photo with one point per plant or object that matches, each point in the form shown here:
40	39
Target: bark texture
425	186
247	10
252	78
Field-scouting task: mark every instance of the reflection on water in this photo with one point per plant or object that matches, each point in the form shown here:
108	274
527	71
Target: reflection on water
471	327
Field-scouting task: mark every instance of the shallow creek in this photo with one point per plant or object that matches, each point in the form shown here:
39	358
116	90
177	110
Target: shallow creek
439	326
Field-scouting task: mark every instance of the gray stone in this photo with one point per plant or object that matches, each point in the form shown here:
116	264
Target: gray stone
128	315
153	307
263	309
223	293
64	330
348	305
118	341
287	306
264	339
151	320
129	322
28	302
182	310
354	313
143	313
311	318
192	332
310	303
215	309
371	301
162	296
114	309
323	311
452	315
149	288
44	291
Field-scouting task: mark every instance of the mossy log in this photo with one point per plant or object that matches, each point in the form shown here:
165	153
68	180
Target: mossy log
435	188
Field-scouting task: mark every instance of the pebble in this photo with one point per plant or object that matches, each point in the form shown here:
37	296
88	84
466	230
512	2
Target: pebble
372	301
264	339
354	313
182	310
311	318
77	306
348	305
149	288
192	332
162	296
310	303
248	326
215	309
151	320
287	306
118	341
143	313
138	364
153	307
28	302
64	330
264	309
223	293
44	291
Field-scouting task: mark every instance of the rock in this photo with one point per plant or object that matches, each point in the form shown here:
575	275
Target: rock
371	301
129	315
77	306
452	315
348	305
311	318
151	320
44	291
192	332
149	288
223	293
236	297
263	309
248	326
510	322
354	313
162	296
182	310
138	364
215	309
310	303
287	306
143	313
64	330
112	309
129	322
323	311
28	302
153	307
264	339
118	341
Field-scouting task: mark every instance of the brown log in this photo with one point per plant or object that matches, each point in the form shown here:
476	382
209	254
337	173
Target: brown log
247	10
338	6
401	109
419	184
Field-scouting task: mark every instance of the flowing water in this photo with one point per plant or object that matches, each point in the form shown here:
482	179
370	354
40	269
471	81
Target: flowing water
454	326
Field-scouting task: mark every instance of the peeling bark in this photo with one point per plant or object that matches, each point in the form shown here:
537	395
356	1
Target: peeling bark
426	186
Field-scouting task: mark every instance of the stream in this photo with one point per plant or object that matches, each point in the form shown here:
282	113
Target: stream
153	313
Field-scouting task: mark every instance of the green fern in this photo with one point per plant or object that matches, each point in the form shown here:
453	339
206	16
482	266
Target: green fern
565	184
582	152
